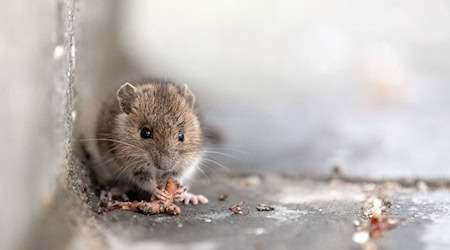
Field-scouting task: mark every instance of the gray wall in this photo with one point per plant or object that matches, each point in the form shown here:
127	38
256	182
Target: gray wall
37	62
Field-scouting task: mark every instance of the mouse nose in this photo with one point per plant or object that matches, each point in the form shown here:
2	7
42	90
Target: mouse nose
165	161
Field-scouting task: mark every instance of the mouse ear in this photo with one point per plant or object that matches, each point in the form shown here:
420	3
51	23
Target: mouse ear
126	94
189	96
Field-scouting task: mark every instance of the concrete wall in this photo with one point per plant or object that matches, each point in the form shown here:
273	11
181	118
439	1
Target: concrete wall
37	66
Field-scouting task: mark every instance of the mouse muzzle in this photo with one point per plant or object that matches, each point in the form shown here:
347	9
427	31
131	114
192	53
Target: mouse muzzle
165	161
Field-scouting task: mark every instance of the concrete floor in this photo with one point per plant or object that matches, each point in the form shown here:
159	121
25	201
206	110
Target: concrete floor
309	214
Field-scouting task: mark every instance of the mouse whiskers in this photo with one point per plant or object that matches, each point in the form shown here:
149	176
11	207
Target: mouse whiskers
221	153
223	147
203	172
134	164
218	164
112	140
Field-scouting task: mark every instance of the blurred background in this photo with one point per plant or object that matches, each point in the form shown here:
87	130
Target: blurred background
300	86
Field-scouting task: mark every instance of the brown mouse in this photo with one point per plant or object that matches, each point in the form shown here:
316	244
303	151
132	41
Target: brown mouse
147	132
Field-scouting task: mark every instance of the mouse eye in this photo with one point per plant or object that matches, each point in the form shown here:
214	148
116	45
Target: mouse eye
147	133
181	136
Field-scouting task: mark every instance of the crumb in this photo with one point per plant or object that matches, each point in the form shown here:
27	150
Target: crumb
223	197
237	209
264	207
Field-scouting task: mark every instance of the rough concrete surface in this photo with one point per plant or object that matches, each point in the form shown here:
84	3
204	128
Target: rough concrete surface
309	214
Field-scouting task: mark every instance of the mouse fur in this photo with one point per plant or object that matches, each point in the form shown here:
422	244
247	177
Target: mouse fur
125	158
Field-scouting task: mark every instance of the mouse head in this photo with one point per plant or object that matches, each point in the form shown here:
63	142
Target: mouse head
159	127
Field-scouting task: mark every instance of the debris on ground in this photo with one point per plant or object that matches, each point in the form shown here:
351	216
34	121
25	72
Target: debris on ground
223	197
264	207
375	222
373	229
375	207
336	171
153	207
237	209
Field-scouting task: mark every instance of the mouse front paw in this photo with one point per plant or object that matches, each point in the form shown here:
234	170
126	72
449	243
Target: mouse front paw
194	199
179	194
160	194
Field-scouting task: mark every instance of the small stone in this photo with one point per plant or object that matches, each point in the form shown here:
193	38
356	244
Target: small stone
208	220
361	237
180	225
356	223
387	204
223	197
264	207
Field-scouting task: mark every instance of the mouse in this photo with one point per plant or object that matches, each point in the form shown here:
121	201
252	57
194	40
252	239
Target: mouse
147	132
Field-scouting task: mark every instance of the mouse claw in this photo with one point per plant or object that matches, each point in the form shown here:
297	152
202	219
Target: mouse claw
160	194
194	199
179	194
